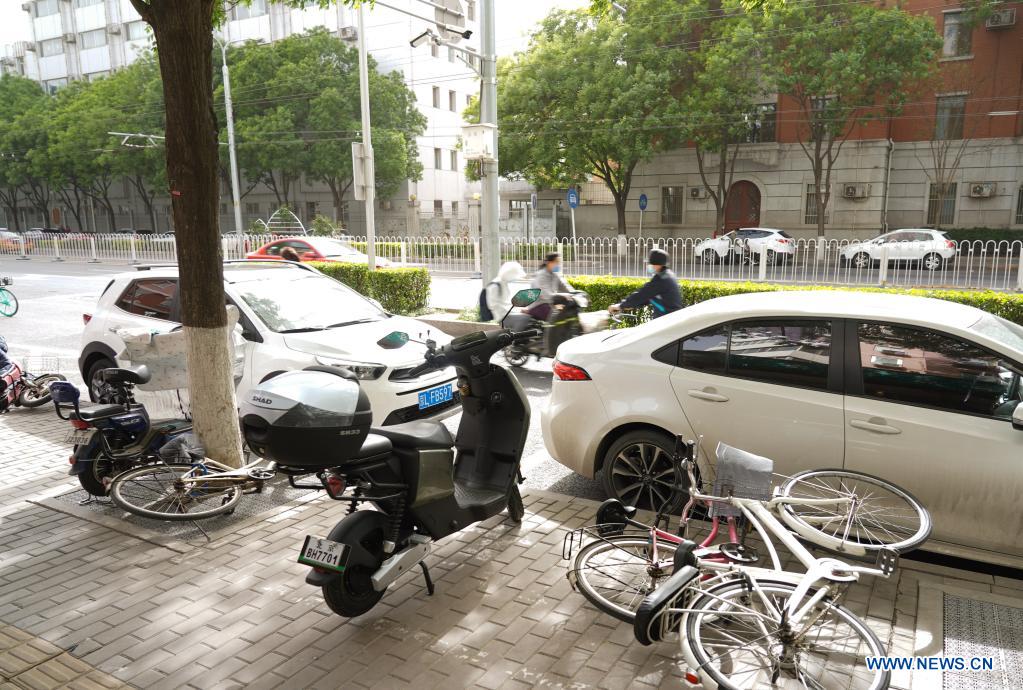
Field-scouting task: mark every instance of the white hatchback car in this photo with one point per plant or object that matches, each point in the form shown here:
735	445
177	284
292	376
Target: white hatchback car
920	392
931	249
292	316
747	243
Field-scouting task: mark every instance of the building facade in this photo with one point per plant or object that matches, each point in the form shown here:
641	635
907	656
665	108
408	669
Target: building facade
87	39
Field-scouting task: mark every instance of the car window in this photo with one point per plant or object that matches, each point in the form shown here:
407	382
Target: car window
152	298
794	353
707	350
784	234
274	249
922	367
309	302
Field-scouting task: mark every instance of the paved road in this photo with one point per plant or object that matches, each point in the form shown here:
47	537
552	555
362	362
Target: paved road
48	325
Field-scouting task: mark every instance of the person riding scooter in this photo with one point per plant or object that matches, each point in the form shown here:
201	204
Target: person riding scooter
553	288
661	292
499	293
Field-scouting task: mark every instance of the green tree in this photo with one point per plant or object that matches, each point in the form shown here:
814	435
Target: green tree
840	65
18	97
584	102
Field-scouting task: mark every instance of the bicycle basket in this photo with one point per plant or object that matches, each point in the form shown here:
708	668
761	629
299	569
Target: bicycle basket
740	474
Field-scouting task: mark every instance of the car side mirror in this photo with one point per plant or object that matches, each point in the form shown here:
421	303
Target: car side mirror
393	340
523	298
1017	417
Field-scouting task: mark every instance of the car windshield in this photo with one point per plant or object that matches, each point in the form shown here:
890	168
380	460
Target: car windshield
1000	330
784	234
333	248
306	303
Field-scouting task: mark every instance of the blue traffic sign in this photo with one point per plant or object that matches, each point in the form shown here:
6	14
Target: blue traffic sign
573	198
642	202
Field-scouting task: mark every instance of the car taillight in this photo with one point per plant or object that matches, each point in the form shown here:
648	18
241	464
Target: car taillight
784	240
950	244
569	372
79	424
86	318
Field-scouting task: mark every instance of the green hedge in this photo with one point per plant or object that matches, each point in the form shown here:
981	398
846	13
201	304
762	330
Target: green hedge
441	250
985	234
400	290
606	290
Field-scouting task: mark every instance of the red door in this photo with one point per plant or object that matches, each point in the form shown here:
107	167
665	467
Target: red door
742	209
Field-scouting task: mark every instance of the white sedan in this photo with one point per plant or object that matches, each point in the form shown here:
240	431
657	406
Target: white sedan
747	244
931	249
921	392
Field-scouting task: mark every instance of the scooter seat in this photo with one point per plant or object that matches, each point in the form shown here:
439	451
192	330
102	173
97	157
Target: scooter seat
373	446
88	414
135	375
417	435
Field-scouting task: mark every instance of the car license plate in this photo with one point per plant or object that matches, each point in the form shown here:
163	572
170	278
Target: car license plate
79	437
324	553
435	396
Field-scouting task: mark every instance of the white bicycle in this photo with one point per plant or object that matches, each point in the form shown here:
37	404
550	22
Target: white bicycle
743	625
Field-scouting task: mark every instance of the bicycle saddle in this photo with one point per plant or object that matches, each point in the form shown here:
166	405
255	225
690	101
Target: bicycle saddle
134	375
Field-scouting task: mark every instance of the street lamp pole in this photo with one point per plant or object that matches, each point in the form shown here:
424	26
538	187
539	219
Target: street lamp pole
235	194
367	143
488	116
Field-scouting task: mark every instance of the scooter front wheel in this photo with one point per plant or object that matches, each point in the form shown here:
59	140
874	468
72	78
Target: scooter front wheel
515	356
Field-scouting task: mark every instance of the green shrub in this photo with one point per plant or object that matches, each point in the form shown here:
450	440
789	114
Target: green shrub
607	290
428	249
985	234
322	225
400	290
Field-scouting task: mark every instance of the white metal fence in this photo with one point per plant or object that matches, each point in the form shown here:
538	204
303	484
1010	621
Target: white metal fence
967	264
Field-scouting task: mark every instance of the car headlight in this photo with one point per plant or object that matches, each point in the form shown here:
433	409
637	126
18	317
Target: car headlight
364	371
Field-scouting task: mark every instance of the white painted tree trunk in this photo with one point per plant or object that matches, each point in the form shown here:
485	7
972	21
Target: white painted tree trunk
211	384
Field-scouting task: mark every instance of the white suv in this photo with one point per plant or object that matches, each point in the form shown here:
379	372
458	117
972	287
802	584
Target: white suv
745	244
930	248
292	316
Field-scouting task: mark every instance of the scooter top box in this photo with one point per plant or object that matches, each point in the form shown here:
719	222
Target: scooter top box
314	419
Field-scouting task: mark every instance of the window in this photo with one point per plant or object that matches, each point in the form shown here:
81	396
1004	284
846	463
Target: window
941	204
470	10
137	31
92	39
957	34
437	159
671	205
438	207
252	208
951	112
762	123
434	50
792	353
706	351
257	8
310	209
53	46
87	3
454	208
454	160
1019	206
810	218
436	97
93	76
921	367
153	298
44	8
452	101
55	85
451	54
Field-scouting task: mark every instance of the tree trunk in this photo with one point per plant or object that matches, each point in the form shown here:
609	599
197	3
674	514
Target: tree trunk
620	209
184	40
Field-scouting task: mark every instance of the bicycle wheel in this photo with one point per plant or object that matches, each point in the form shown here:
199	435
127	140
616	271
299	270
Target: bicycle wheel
8	303
885	516
159	492
615	574
740	640
39	392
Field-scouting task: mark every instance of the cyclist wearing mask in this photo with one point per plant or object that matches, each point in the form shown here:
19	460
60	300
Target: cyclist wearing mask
661	292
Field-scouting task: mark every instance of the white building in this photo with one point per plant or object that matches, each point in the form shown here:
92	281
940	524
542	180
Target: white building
87	39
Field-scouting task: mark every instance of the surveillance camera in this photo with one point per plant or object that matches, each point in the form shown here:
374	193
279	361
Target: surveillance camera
421	39
467	34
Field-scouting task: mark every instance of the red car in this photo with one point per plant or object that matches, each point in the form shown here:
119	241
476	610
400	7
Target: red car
315	249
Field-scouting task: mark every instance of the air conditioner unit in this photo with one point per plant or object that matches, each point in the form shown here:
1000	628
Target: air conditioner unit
114	29
698	192
982	190
69	38
1001	19
347	33
856	191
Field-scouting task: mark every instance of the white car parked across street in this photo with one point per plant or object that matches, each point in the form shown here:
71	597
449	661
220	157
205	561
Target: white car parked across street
921	392
292	316
931	249
747	244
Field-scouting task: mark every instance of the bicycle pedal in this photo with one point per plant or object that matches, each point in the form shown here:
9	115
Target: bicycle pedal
739	553
887	561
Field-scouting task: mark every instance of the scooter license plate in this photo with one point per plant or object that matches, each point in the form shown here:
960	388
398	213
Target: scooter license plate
435	396
323	553
79	437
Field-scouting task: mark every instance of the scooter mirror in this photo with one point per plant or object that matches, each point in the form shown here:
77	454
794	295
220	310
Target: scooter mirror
523	298
393	340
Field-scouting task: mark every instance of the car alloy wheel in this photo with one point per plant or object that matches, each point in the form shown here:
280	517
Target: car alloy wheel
932	262
861	260
638	471
710	256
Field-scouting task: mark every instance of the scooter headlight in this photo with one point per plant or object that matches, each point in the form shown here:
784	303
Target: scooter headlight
364	371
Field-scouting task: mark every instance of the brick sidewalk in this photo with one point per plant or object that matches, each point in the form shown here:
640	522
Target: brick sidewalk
236	611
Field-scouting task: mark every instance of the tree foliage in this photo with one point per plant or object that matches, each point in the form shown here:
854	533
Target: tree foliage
21	100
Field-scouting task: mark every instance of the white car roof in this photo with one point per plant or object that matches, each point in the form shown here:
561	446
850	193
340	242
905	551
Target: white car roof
233	272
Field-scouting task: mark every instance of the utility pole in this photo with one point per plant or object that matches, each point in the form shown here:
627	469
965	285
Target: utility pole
367	143
235	194
488	116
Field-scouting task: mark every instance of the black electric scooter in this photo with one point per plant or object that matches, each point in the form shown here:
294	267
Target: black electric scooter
425	485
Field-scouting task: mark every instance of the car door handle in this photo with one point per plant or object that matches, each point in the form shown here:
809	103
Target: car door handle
707	395
875	426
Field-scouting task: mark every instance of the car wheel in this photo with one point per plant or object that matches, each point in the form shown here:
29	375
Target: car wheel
933	262
861	260
710	256
99	391
638	471
772	257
